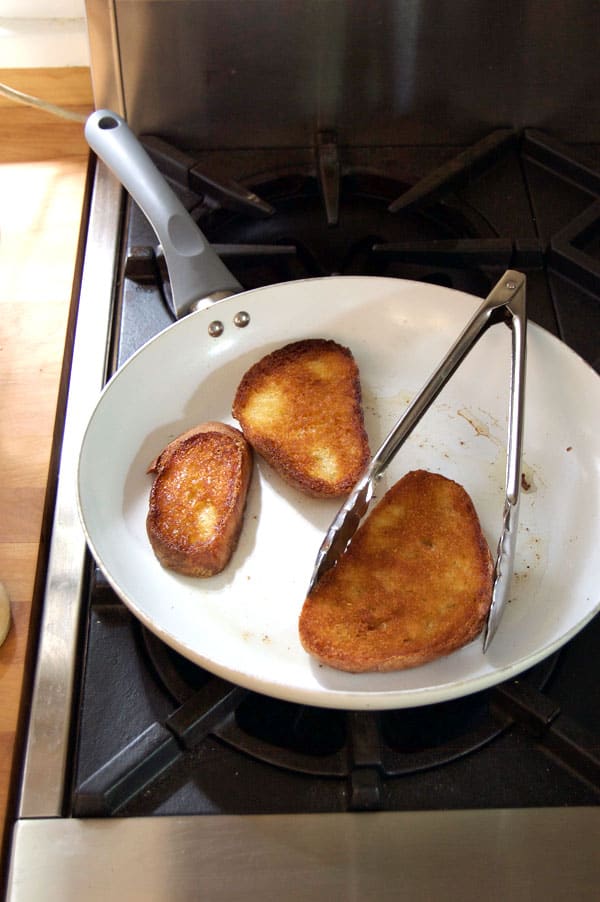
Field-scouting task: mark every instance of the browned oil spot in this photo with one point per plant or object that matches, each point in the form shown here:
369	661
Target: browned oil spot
528	483
479	427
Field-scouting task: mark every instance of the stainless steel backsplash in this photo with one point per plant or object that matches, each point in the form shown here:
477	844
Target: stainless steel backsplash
268	73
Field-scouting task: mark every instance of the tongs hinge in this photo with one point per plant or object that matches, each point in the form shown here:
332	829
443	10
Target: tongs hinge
507	300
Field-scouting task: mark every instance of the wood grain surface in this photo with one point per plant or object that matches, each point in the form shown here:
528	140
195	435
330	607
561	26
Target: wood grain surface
43	162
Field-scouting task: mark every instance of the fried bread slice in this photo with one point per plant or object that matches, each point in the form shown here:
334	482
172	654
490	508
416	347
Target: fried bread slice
415	583
300	408
198	497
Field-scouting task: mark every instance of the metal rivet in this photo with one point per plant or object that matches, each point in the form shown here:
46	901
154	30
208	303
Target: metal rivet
215	328
241	319
511	285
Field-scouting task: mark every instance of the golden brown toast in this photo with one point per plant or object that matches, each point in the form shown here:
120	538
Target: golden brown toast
197	499
300	407
414	584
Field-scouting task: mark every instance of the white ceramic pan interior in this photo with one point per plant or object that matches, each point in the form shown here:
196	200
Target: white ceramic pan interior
242	624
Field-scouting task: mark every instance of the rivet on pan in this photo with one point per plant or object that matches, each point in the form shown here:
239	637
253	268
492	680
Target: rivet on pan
241	319
215	328
511	285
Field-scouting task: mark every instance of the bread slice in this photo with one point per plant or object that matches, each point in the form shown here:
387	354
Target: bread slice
414	584
301	409
198	497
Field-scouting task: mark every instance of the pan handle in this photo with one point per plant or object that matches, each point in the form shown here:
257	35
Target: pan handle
196	272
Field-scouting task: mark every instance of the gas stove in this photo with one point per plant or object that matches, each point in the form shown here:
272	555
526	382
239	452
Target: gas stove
145	774
185	734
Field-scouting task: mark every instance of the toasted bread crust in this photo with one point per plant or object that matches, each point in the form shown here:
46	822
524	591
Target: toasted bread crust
197	499
300	407
415	583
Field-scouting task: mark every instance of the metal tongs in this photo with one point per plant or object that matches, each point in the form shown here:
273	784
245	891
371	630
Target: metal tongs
505	303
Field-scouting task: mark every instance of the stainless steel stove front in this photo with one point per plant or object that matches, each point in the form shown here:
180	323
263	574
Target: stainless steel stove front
521	855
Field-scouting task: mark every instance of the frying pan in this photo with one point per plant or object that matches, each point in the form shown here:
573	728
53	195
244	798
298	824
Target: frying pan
242	624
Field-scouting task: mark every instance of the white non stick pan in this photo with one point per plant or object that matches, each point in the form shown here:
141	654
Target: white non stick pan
242	624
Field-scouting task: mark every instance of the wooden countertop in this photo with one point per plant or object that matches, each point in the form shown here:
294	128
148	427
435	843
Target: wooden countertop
43	161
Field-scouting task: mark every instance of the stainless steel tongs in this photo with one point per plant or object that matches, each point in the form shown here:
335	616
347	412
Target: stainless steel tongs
506	302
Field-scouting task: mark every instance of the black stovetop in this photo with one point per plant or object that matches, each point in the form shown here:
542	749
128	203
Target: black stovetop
157	735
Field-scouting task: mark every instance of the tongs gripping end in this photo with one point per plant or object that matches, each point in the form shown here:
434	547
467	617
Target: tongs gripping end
508	295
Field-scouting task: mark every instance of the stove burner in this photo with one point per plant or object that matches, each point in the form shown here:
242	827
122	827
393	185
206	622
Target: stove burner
352	244
211	731
459	224
327	742
364	758
449	244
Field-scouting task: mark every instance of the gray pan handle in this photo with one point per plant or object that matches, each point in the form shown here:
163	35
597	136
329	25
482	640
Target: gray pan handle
196	272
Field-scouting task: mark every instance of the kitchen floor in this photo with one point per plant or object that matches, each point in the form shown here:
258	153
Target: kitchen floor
43	161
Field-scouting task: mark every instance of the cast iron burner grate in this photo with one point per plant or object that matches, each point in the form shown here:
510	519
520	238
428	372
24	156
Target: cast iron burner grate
297	242
514	200
328	742
166	736
351	246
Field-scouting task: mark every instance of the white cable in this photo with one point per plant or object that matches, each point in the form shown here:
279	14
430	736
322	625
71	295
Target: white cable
27	99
